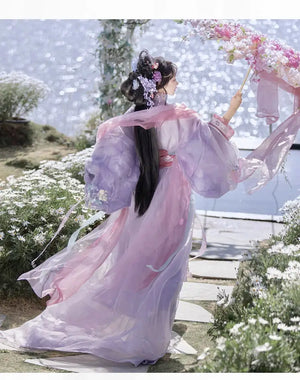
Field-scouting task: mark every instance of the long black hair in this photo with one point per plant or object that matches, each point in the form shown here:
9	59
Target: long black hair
146	142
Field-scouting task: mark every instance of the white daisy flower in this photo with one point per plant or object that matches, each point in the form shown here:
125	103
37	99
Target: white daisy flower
235	329
274	337
263	348
221	343
262	321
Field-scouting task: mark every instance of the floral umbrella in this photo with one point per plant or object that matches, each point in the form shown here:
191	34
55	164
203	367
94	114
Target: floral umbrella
274	64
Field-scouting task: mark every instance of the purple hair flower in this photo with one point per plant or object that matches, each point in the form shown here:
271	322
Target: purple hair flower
157	76
149	89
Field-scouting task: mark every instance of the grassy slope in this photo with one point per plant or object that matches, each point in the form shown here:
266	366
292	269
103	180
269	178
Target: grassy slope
48	144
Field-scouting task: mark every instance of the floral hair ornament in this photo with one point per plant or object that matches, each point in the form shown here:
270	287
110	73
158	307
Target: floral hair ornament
149	89
150	86
157	76
155	65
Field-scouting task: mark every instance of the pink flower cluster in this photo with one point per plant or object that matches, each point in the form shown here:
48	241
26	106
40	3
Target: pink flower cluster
261	52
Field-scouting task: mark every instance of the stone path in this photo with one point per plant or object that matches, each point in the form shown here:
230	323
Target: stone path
228	239
87	363
218	269
195	291
188	311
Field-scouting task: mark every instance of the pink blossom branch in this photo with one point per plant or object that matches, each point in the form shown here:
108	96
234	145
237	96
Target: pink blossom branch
260	52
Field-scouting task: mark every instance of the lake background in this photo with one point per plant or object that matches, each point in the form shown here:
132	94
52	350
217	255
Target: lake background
62	54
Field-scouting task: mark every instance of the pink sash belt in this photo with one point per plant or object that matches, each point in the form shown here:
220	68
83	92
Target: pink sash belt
165	159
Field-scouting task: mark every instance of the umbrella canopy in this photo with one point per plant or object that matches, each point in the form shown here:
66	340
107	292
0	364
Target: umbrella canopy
275	65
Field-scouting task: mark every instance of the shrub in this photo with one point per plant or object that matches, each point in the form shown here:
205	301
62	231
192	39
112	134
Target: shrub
19	94
32	207
291	218
258	328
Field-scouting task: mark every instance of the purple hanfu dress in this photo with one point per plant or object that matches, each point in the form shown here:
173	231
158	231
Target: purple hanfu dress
115	293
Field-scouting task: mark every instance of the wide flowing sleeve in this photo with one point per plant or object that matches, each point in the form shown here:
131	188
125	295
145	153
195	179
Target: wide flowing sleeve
112	172
209	160
212	162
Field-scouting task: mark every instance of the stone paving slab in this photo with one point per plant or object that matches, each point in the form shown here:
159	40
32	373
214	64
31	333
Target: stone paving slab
234	231
214	268
202	292
187	311
90	363
179	346
221	251
87	363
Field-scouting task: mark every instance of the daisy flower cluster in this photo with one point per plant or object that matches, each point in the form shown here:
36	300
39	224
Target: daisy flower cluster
262	53
69	163
294	324
291	218
29	196
32	208
290	275
281	248
260	330
257	287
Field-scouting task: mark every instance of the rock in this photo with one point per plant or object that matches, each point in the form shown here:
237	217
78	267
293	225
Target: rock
23	163
16	134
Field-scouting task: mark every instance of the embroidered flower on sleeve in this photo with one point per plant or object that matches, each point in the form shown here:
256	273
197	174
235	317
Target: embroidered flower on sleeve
102	195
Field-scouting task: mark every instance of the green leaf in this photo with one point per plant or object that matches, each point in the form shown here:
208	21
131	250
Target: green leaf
231	58
180	21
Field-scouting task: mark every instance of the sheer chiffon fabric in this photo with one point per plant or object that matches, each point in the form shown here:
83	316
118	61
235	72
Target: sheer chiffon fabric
105	300
266	87
264	162
115	293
